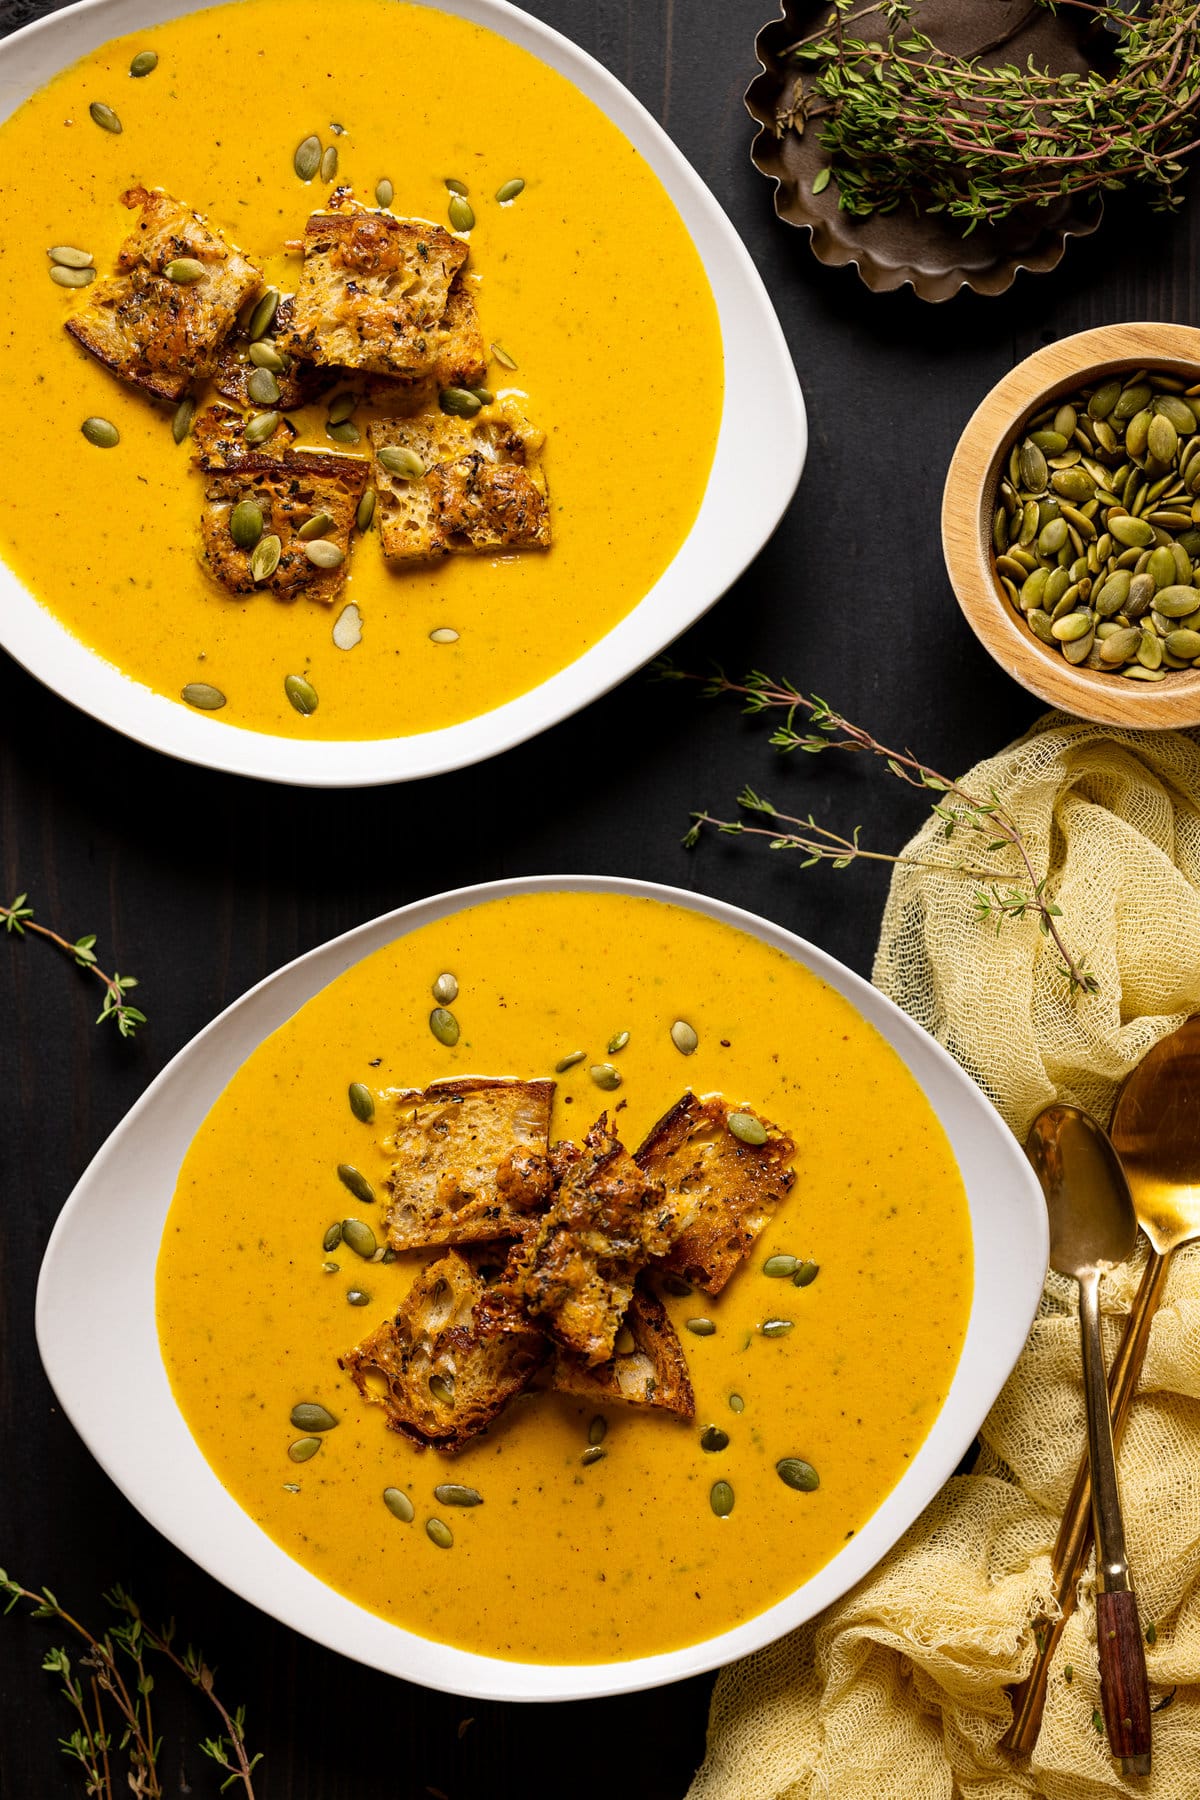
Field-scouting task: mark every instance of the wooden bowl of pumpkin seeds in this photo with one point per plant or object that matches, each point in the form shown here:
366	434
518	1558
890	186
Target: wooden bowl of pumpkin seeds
1071	524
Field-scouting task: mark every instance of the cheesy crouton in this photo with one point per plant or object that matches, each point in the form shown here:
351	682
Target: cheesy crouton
299	382
720	1192
607	1219
471	1161
437	1379
481	487
459	352
650	1371
373	290
219	437
159	333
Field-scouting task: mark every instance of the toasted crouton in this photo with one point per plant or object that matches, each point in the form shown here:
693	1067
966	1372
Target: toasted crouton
161	334
442	1383
373	291
471	1161
218	434
290	488
605	1222
651	1372
459	352
483	487
719	1191
299	383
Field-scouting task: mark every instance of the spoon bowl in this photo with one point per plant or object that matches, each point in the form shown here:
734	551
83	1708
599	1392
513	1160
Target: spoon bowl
1156	1132
1093	1225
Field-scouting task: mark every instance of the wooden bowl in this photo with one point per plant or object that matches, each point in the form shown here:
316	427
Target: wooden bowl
969	503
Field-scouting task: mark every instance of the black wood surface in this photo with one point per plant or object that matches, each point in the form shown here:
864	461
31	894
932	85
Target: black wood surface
201	884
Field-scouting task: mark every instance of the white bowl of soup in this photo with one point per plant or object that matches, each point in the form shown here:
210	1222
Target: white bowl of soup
617	307
193	1294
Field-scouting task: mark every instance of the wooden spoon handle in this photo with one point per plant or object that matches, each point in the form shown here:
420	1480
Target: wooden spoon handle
1124	1693
1074	1542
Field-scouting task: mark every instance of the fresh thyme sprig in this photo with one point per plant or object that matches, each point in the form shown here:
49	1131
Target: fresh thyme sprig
18	918
103	1679
985	818
905	122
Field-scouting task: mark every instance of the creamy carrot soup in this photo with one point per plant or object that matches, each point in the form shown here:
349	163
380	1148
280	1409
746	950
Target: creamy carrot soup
587	280
622	1555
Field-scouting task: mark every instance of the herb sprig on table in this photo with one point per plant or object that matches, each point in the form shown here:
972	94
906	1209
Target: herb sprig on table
18	919
903	120
983	818
109	1690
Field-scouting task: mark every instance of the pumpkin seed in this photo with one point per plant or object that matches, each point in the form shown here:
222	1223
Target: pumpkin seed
246	524
341	407
345	431
442	1388
144	63
105	117
712	1438
330	1268
445	989
1121	645
605	1076
262	387
1032	468
101	432
397	459
385	193
598	1430
779	1266
568	1062
263	316
71	278
1135	534
329	164
771	1328
303	1448
358	1296
398	1502
352	1178
333	1236
746	1128
307	159
1184	644
462	213
452	1493
736	1403
1072	627
309	1415
806	1274
457	187
264	560
362	1103
459	402
502	357
181	421
301	693
720	1498
444	634
593	1454
201	695
617	1042
260	426
1176	602
185	271
484	395
66	256
358	1236
444	1026
323	553
441	1534
364	518
794	1472
508	190
701	1327
685	1039
315	527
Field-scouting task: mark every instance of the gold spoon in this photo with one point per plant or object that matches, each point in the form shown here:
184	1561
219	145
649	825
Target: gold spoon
1093	1228
1156	1134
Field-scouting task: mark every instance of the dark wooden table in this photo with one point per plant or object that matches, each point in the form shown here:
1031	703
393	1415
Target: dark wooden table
201	884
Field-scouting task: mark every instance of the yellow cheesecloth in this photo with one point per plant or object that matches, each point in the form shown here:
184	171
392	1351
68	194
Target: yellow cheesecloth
898	1691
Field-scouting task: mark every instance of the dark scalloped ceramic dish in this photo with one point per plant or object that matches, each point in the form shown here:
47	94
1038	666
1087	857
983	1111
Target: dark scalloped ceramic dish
907	247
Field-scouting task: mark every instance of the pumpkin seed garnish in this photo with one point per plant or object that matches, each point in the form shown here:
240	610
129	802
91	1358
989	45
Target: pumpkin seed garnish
330	1268
262	387
245	524
441	1534
303	1448
460	403
701	1327
720	1498
597	1430
684	1037
444	1026
263	316
347	1174
593	1454
385	193
259	427
457	187
362	1102
315	527
309	1415
445	634
264	353
347	627
398	1502
568	1062
780	1266
617	1042
307	159
358	1296
502	357
452	1493
358	1236
344	432
605	1076
798	1474
712	1438
736	1403
746	1128
185	271
445	989
329	164
201	695
301	693
462	213
777	1327
68	257
181	421
71	278
105	117
323	553
333	1237
806	1274
264	559
101	432
508	190
144	63
341	407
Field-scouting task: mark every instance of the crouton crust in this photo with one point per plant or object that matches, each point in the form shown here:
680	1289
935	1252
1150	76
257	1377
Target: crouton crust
720	1192
373	291
471	1161
163	335
653	1373
299	384
442	1382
